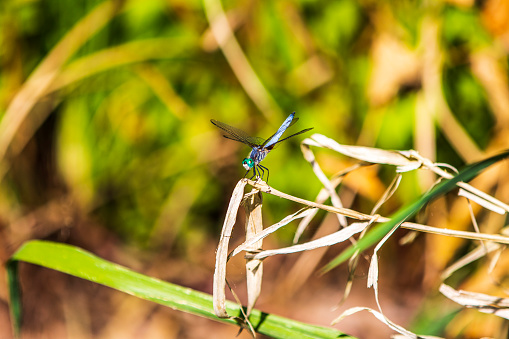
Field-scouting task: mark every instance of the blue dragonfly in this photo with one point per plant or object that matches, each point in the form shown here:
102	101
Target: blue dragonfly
260	147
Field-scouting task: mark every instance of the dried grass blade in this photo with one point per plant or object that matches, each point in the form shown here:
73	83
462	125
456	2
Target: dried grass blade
365	217
343	211
320	198
388	193
368	154
436	168
482	302
405	160
480	201
328	240
382	318
484	196
219	295
336	201
403	214
249	242
353	261
254	268
304	224
402	336
494	260
502	239
479	252
373	282
352	265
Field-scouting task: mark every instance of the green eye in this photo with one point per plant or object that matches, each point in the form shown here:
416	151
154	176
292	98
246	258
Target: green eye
248	163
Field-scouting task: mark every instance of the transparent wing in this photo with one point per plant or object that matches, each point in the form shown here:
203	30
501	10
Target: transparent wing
236	134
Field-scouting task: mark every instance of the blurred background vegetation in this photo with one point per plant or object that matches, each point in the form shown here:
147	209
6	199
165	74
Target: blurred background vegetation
106	143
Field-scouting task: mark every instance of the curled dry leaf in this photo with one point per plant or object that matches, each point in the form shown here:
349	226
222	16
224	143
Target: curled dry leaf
405	161
219	296
368	154
405	333
482	302
328	240
483	202
260	235
254	268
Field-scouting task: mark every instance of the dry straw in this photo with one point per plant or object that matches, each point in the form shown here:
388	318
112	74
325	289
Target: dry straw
404	161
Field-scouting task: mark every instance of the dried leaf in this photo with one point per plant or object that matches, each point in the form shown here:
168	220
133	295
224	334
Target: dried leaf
382	318
365	217
336	201
479	252
254	268
482	302
248	243
368	154
328	240
483	202
388	193
219	295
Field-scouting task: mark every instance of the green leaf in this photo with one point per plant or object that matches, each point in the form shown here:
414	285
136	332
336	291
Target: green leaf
379	231
14	295
77	262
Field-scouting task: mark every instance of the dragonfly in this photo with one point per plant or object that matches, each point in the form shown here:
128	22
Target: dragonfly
259	147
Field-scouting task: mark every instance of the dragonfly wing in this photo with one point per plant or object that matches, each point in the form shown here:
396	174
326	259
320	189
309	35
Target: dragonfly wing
275	137
236	134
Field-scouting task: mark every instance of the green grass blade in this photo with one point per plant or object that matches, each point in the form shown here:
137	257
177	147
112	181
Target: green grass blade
379	231
77	262
14	296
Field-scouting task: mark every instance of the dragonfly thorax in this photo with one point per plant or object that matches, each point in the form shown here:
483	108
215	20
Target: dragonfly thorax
255	157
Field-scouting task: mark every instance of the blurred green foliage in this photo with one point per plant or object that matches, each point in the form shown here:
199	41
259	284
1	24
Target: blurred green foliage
126	132
126	136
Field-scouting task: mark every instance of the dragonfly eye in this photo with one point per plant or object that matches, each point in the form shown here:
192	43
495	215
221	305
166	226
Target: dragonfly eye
248	163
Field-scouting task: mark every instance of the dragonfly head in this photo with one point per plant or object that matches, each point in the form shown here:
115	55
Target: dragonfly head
248	163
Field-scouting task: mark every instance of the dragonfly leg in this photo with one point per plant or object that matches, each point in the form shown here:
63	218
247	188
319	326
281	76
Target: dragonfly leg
254	173
261	171
246	173
263	168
